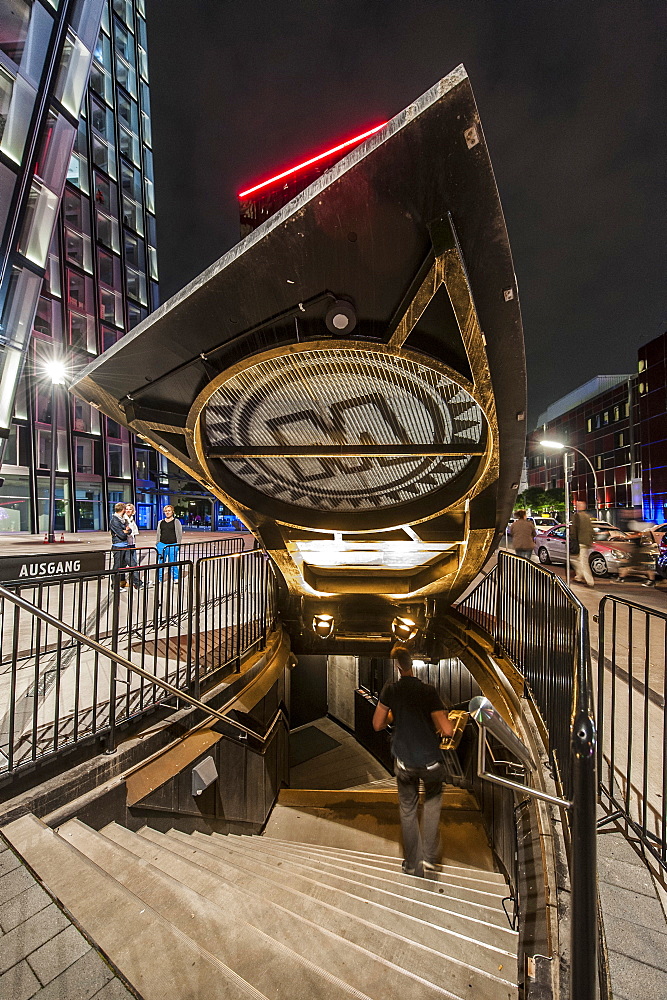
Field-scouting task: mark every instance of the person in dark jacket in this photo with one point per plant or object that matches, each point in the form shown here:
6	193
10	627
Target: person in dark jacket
168	539
419	718
523	535
120	539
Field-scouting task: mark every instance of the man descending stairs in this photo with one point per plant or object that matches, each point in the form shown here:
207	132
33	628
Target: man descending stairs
207	916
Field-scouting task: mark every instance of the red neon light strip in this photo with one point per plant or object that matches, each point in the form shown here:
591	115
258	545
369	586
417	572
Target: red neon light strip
314	159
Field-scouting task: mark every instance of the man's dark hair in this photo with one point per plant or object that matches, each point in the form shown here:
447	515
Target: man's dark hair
403	657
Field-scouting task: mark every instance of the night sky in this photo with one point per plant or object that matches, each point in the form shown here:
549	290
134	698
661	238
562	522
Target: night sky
571	97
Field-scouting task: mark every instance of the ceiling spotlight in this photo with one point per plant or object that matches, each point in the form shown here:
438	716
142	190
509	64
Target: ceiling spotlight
323	625
404	628
341	317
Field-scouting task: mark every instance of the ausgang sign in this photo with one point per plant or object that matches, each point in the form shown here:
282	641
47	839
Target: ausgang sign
25	569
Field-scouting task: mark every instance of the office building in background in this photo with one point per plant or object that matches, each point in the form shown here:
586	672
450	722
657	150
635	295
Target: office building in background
79	259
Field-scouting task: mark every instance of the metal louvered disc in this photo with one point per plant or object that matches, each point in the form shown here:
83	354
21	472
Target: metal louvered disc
343	397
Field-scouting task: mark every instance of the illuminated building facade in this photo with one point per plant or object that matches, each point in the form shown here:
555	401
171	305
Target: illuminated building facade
78	252
629	455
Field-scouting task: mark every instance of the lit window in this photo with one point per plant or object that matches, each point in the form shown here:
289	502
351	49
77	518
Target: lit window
73	74
41	209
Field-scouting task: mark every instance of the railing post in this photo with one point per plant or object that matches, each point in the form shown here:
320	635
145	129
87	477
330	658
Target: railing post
498	608
198	605
111	738
583	868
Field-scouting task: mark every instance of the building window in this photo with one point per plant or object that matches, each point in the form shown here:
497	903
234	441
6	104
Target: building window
621	440
78	250
41	210
589	424
85	417
84	450
82	332
48	319
109	337
118	461
73	74
77	172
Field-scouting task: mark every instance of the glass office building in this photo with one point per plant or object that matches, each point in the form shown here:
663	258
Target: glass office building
78	252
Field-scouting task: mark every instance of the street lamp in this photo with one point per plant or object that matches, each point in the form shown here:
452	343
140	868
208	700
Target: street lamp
560	446
54	370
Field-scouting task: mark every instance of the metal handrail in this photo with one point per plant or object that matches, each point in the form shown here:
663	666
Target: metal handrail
117	658
580	779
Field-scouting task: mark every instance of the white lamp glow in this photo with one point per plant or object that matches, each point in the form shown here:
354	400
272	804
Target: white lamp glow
55	370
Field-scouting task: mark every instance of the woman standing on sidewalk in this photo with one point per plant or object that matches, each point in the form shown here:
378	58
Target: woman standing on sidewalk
168	539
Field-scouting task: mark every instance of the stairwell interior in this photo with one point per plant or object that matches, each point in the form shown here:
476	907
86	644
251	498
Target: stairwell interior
300	894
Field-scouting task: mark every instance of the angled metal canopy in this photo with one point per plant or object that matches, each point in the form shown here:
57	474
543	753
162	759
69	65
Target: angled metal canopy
409	431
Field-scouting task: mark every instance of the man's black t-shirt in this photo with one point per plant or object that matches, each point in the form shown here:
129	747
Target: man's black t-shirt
415	741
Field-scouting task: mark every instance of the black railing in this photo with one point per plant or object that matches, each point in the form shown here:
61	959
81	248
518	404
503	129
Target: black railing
58	692
543	629
190	550
632	720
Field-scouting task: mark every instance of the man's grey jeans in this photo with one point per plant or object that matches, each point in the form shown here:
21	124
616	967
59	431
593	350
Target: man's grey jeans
424	845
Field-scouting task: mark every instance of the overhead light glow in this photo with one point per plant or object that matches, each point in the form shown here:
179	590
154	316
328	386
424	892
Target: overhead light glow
404	628
55	370
323	625
557	445
314	159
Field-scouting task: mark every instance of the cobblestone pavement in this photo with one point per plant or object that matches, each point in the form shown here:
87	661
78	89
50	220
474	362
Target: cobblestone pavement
42	953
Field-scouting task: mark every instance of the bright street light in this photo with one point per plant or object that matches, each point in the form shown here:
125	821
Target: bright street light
558	445
55	370
561	446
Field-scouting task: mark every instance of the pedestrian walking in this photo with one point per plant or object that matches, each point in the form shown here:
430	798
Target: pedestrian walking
168	540
581	534
523	534
120	544
418	716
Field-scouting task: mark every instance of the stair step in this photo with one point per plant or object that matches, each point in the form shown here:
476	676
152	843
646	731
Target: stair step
462	940
390	861
124	926
449	876
270	967
353	949
390	894
417	888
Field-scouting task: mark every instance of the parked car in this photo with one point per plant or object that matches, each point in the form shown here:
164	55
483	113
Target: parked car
544	523
608	552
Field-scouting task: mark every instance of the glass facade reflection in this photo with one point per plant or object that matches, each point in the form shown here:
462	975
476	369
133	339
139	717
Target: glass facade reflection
78	251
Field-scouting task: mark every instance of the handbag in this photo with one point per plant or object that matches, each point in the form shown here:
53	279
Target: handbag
574	545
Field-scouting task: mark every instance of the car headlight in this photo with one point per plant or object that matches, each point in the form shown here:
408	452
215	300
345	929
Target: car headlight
617	555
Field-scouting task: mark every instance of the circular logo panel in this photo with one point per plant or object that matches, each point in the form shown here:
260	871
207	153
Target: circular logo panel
343	397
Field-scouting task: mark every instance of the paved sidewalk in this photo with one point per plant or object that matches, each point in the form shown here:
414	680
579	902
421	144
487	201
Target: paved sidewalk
634	919
42	953
22	544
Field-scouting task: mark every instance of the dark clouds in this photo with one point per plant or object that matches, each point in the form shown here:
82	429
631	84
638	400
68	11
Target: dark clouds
571	96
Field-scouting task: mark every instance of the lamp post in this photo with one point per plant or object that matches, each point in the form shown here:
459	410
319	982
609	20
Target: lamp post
55	370
560	446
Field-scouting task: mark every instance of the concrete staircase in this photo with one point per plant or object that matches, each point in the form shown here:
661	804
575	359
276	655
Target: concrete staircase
211	916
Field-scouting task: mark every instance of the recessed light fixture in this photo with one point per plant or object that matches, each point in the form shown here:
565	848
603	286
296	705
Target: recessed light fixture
341	317
323	625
